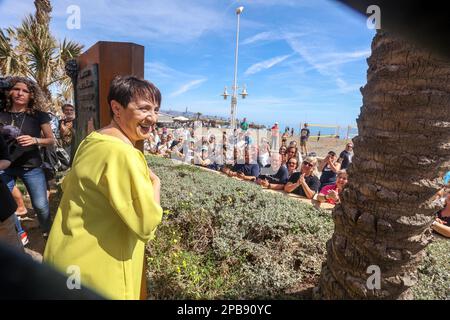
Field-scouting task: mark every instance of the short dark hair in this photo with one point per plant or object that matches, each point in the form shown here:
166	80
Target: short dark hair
126	89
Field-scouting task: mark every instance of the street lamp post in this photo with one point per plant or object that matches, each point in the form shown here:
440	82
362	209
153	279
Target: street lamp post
235	86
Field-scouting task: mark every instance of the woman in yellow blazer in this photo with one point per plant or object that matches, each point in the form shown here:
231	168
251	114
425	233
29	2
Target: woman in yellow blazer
110	205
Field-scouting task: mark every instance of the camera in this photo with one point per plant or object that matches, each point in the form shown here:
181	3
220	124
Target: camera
5	85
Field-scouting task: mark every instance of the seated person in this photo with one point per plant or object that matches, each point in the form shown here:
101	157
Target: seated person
298	155
442	221
177	149
264	154
291	152
190	154
152	142
330	193
278	176
329	168
304	183
202	159
169	140
446	180
230	161
283	154
176	142
249	170
292	166
162	147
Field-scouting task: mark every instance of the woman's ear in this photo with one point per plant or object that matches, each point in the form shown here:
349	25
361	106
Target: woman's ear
116	107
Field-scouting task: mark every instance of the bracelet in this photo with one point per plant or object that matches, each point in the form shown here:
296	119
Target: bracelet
36	140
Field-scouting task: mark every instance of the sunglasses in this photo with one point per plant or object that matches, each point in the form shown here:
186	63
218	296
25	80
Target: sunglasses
306	163
294	163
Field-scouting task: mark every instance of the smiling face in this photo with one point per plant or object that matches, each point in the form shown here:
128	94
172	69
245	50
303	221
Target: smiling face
292	165
349	147
342	180
308	167
137	119
275	160
291	153
20	95
69	112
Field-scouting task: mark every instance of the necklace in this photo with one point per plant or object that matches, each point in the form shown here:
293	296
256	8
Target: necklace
15	118
123	132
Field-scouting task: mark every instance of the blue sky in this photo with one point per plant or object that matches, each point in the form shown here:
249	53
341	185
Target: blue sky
300	60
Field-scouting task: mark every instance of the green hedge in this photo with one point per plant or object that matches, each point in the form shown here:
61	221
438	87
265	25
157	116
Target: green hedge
226	239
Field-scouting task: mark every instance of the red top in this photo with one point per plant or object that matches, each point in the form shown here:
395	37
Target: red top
325	190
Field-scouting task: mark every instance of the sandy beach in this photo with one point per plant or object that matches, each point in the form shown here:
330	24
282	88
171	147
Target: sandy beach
324	145
321	147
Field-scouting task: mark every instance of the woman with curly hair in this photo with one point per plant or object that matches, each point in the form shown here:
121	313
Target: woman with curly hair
24	123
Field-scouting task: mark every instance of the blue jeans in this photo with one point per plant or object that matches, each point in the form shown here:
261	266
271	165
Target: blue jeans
34	180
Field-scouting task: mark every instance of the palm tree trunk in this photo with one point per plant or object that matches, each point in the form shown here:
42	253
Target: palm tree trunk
402	149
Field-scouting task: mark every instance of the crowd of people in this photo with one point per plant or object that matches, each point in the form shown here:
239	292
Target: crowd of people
289	169
238	154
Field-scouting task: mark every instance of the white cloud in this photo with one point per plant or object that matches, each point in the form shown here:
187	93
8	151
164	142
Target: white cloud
344	87
188	86
267	36
263	36
325	59
266	64
173	21
162	71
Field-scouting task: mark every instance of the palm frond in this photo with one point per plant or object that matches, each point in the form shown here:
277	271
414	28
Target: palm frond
31	50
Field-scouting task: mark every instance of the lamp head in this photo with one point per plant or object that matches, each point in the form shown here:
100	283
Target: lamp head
239	10
225	94
244	93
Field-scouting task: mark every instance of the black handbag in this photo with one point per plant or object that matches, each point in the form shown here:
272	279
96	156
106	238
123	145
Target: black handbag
55	158
8	205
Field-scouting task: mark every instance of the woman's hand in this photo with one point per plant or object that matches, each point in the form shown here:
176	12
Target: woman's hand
153	177
301	180
333	195
264	183
156	186
26	141
241	175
